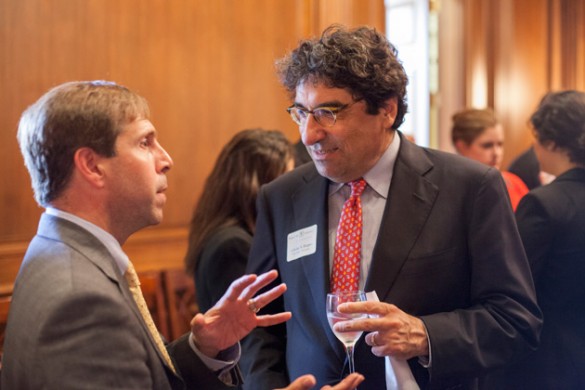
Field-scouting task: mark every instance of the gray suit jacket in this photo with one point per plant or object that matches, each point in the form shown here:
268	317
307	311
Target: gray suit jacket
73	323
448	251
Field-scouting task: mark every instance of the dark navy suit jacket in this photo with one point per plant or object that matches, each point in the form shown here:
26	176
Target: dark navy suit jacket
551	220
448	251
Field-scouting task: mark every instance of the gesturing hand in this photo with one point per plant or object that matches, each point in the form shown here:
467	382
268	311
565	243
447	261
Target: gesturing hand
307	382
234	315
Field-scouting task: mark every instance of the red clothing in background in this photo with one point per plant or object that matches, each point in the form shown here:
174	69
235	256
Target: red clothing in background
516	188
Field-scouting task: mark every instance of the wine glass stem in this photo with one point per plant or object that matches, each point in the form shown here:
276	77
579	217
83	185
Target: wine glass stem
349	350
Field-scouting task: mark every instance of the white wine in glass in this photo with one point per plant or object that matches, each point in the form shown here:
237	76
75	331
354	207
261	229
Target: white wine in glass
333	316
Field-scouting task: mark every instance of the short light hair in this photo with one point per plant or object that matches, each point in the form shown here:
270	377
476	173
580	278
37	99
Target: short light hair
68	117
468	124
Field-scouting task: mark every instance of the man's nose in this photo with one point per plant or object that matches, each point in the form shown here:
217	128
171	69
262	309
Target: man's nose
312	132
164	160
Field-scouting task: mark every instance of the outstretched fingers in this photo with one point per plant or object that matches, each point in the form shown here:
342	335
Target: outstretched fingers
265	298
245	287
273	319
240	284
261	281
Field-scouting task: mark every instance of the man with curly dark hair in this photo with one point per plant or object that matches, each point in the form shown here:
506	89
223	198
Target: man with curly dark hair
435	237
551	221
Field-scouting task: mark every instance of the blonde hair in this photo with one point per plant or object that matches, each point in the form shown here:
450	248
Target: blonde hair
470	123
68	117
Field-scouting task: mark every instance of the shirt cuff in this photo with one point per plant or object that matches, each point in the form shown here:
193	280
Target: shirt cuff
226	360
426	361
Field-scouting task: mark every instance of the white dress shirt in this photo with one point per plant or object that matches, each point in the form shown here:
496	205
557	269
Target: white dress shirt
373	204
397	372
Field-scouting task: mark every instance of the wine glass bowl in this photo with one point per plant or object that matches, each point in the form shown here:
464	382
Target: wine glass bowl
348	339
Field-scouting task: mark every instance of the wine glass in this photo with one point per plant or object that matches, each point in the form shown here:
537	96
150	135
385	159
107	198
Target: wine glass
333	316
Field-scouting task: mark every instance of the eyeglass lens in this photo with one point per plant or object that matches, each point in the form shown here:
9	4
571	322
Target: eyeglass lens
323	116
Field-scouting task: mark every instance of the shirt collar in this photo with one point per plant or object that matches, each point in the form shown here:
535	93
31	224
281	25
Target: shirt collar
380	176
111	244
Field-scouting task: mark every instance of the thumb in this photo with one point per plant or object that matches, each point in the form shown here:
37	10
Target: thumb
198	322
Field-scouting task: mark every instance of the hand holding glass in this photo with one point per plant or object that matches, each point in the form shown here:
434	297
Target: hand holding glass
333	316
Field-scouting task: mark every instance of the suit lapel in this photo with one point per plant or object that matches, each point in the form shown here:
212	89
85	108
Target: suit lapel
410	200
81	240
307	212
86	243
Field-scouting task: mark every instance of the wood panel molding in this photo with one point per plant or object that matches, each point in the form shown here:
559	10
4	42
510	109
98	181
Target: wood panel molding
149	249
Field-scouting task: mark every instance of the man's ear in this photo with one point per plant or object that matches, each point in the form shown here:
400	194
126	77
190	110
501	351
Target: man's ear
87	163
390	110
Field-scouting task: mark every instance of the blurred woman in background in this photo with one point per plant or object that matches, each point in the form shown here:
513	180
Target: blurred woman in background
224	218
476	134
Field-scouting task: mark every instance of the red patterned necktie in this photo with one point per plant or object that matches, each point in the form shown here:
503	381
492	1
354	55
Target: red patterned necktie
348	242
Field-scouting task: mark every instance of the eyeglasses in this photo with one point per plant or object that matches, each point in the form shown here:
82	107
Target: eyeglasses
325	116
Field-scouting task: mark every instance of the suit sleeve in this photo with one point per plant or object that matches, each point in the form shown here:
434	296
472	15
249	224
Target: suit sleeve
193	371
263	351
502	321
536	229
113	354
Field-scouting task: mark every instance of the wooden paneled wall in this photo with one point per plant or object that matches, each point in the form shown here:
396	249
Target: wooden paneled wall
517	50
206	67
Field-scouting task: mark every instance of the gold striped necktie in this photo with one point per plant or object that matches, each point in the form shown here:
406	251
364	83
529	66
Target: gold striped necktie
134	284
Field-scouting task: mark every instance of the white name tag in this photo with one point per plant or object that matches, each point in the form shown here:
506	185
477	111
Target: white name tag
301	243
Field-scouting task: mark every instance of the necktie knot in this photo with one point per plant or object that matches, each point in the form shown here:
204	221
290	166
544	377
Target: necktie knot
357	187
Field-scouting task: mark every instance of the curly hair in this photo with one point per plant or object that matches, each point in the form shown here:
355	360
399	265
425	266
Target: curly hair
68	117
361	61
250	159
560	118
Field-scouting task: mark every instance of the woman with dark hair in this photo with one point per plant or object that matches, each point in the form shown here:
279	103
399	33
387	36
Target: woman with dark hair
223	220
477	134
551	221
